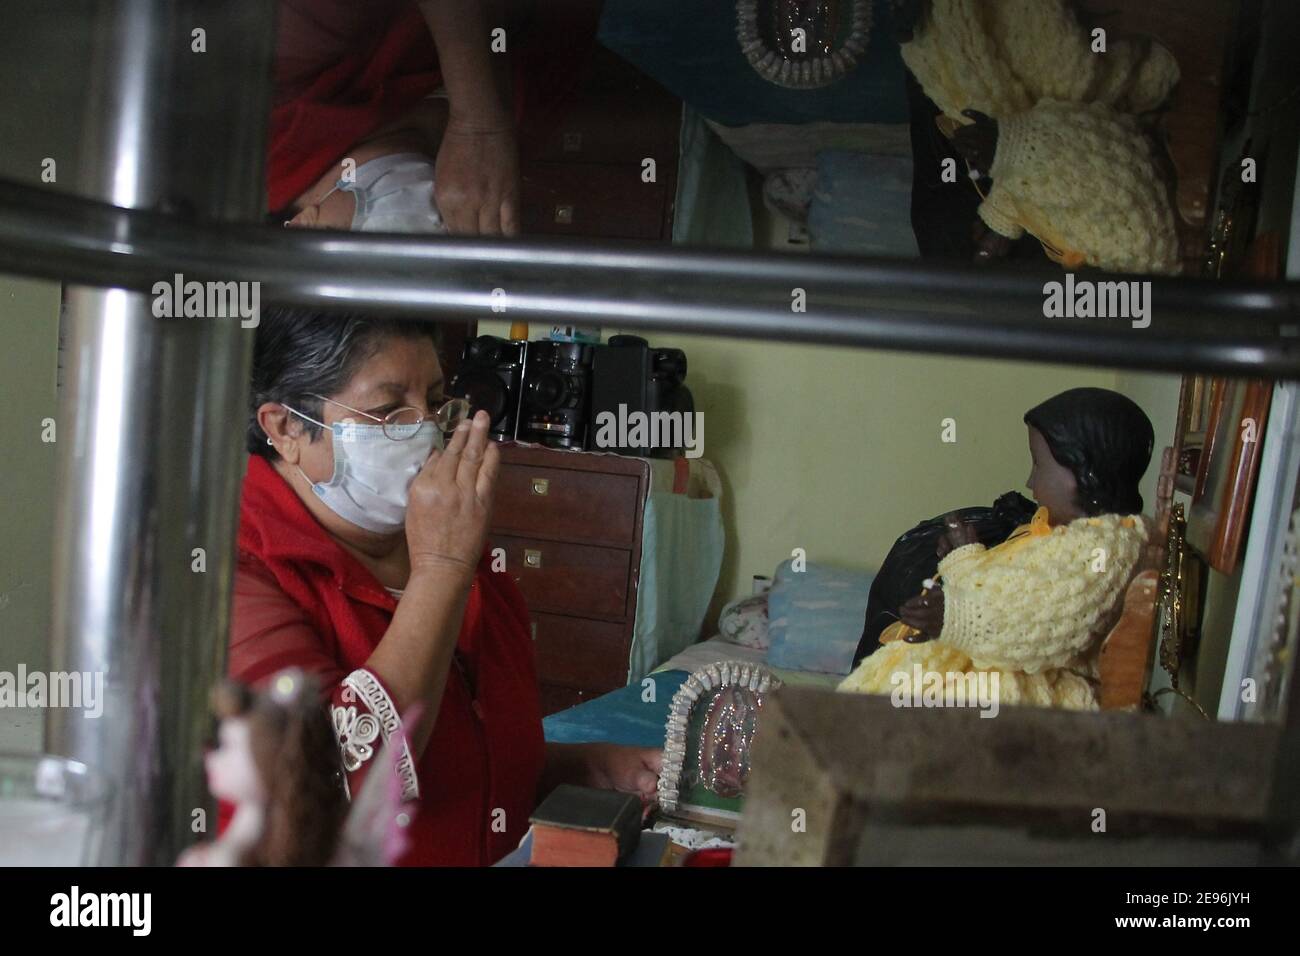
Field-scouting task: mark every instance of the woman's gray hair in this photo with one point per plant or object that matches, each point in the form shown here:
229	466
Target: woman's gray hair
302	351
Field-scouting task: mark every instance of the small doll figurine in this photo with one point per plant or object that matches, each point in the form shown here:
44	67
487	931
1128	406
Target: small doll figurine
1057	134
277	762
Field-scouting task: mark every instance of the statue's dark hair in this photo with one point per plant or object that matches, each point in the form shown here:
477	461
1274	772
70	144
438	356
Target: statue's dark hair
1105	440
302	351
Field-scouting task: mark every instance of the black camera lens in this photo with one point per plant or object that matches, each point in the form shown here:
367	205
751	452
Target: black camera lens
548	389
484	391
485	349
669	363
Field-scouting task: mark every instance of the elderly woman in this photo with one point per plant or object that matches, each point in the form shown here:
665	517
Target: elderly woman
1035	608
362	561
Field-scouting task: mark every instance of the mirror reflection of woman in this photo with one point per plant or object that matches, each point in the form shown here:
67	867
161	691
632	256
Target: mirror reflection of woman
1035	608
354	82
362	562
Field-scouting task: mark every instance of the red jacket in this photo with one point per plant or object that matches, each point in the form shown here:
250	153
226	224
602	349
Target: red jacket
344	69
302	601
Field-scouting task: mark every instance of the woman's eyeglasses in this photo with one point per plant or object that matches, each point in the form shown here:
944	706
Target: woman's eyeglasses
402	423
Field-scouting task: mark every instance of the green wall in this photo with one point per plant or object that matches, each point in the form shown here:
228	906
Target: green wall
43	89
838	451
29	333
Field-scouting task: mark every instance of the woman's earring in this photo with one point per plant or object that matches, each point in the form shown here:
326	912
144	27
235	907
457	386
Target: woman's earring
271	443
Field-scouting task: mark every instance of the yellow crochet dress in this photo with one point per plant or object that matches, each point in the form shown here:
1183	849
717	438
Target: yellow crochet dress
1071	167
1082	179
1033	609
1000	57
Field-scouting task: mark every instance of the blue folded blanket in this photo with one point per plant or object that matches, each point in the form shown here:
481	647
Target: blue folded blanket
815	617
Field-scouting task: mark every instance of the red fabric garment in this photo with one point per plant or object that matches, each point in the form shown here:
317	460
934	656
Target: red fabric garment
343	70
302	601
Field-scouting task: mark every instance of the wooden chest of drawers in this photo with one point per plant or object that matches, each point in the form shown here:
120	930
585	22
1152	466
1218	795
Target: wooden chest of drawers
570	526
586	175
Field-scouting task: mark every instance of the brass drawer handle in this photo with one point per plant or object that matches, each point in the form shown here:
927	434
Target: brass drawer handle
541	486
532	558
564	214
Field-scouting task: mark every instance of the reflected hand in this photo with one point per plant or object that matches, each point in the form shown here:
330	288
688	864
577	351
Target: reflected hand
989	245
476	179
978	141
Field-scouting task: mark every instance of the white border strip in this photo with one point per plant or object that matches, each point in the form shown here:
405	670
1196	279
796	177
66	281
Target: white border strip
1258	597
368	688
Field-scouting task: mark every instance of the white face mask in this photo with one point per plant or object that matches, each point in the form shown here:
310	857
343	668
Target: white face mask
394	194
372	476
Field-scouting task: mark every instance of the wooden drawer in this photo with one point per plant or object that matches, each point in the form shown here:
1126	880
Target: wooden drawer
584	199
556	698
575	652
619	129
563	578
618	115
568	505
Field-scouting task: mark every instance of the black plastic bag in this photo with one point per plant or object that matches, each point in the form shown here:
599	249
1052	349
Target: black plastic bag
912	559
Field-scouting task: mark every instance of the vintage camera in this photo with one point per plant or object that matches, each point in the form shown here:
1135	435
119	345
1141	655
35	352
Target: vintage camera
553	409
491	374
627	377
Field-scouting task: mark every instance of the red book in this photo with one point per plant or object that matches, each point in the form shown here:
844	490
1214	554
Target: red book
581	826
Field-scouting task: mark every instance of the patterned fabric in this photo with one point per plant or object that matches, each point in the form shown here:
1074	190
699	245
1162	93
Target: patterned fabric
744	622
378	717
1082	179
356	732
